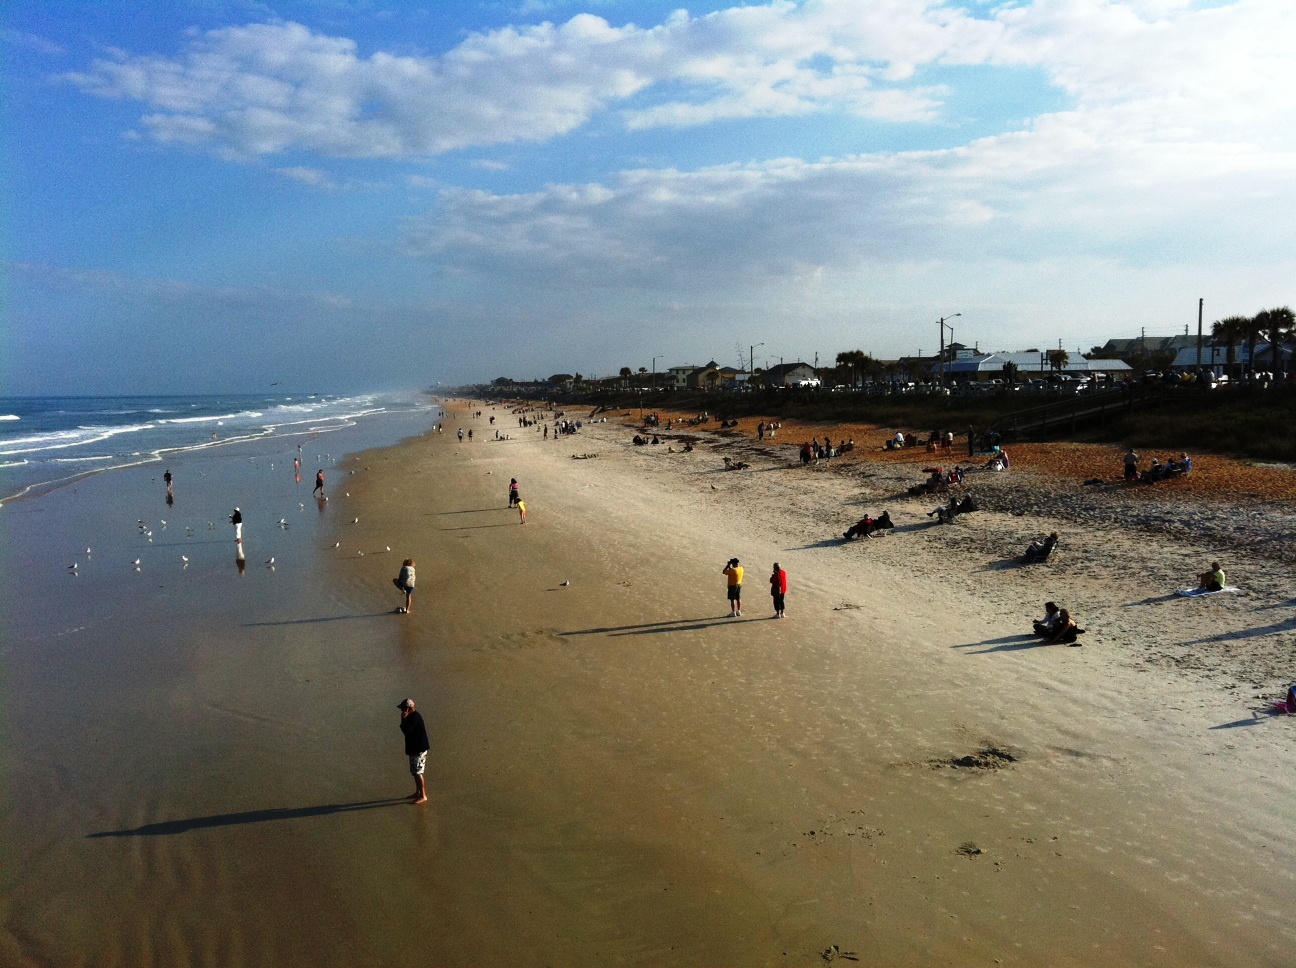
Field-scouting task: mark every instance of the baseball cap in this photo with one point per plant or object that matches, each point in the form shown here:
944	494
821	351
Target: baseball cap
406	704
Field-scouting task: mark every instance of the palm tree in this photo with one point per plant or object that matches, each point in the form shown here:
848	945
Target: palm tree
1275	325
1010	372
856	361
1230	330
1058	359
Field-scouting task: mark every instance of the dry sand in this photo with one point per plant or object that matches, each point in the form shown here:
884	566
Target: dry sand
621	774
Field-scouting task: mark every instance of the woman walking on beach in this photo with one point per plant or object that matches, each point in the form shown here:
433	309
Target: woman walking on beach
514	496
733	572
319	483
405	582
236	519
778	588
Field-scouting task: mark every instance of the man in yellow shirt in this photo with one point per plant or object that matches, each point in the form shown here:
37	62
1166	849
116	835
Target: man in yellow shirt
734	572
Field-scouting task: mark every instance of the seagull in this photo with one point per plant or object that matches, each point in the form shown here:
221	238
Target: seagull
163	522
271	561
564	583
73	566
136	564
185	559
337	544
210	526
348	493
355	520
301	507
87	552
359	554
389	547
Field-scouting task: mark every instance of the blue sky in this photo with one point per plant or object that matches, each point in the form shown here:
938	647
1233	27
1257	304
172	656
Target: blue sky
343	196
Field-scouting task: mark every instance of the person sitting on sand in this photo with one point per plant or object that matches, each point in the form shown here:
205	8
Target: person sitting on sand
405	582
1213	580
1064	629
1044	626
1039	550
860	529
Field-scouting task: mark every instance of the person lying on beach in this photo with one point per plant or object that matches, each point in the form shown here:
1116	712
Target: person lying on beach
1213	580
405	582
1044	626
1040	550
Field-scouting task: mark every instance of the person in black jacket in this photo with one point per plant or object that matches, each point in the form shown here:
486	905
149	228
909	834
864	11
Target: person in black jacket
416	746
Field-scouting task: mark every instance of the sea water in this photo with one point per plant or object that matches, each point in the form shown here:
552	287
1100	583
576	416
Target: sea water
49	441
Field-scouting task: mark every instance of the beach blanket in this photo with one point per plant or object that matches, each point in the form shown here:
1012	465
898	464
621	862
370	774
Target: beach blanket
1198	592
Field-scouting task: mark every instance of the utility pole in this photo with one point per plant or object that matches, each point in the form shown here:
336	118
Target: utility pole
1201	304
942	345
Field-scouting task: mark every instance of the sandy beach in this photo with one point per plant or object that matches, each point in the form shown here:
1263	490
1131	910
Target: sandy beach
622	774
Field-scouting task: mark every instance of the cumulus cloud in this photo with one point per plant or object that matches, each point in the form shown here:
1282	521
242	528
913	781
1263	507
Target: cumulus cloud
265	88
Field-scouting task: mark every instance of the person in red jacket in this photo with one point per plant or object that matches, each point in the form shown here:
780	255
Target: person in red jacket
778	588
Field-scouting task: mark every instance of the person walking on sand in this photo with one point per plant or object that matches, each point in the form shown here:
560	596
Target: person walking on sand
416	746
236	519
733	572
514	496
521	506
405	583
778	588
319	483
167	477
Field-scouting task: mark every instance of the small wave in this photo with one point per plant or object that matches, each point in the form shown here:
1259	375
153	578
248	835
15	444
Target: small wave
9	416
248	414
14	463
63	439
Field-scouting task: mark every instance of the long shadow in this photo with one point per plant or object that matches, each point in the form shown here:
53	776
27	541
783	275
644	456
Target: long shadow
1287	604
825	543
315	621
612	629
698	625
1006	643
478	527
474	510
1237	722
1155	600
166	828
1286	626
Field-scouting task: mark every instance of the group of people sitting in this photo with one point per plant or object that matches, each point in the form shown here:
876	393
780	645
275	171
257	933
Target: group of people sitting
938	480
948	512
639	441
998	461
942	440
1057	626
901	440
1159	471
865	526
1163	471
813	450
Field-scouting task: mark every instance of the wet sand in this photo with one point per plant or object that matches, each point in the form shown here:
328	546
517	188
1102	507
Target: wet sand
620	774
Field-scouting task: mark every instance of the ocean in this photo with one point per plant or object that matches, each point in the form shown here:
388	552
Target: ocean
46	442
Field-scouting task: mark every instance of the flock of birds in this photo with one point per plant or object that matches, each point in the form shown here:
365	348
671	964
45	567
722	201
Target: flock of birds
146	532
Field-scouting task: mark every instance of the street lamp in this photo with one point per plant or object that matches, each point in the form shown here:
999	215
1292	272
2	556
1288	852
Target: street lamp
654	369
751	366
943	327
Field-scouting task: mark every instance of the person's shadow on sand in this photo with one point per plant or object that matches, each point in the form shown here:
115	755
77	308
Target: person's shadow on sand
672	625
169	827
1006	643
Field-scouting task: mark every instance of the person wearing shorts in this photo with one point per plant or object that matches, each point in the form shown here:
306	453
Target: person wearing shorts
734	573
416	746
405	583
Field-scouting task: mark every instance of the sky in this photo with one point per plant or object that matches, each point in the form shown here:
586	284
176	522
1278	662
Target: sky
351	195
